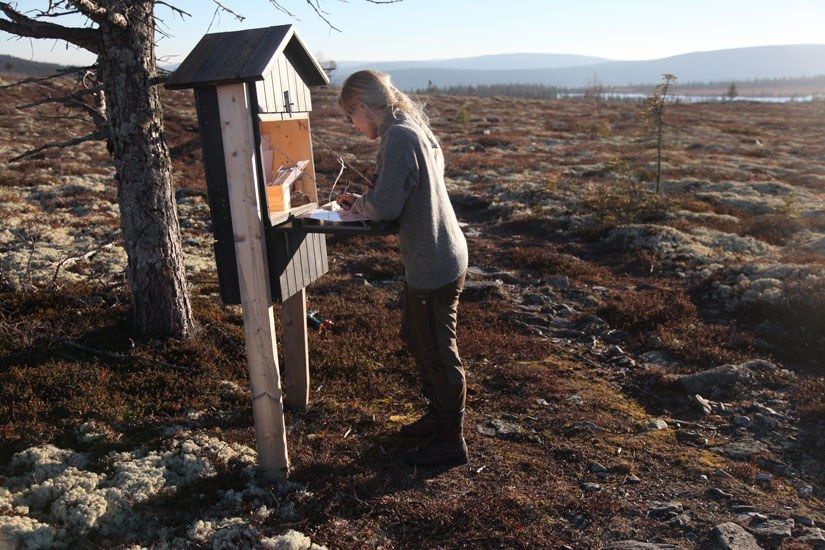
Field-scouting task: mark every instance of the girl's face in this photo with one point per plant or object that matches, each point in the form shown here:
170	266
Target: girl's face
365	121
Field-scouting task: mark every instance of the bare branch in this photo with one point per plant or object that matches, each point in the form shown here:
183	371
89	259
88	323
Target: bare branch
63	99
119	357
175	9
221	7
94	136
21	25
58	74
72	259
316	7
184	148
93	11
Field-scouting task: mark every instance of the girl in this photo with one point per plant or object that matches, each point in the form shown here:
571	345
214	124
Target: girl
409	189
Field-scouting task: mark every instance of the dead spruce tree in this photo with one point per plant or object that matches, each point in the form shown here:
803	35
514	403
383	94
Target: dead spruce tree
128	114
122	35
654	114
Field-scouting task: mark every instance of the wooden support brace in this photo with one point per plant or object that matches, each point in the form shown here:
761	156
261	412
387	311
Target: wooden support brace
253	274
296	351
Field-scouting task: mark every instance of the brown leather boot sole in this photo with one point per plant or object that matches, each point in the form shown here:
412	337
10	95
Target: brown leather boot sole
434	452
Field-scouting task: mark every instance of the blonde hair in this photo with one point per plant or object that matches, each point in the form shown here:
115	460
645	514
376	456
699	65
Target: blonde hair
376	90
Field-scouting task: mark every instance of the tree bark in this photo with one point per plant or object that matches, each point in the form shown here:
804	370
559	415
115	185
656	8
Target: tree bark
151	232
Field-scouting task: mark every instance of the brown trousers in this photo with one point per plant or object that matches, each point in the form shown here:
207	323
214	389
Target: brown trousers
428	327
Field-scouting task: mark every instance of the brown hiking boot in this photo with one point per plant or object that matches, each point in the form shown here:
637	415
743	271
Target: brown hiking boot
426	425
445	447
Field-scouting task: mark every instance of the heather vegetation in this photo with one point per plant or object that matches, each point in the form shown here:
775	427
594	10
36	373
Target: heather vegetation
640	366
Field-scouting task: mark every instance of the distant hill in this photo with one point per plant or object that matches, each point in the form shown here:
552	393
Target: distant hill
9	64
483	62
760	62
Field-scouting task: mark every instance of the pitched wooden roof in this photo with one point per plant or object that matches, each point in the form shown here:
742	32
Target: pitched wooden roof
242	56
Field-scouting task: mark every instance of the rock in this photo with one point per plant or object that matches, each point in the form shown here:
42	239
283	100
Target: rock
759	365
638	545
733	537
497	428
595	467
633	479
576	399
751	517
476	290
717	493
741	420
714	381
766	422
612	336
773	531
805	491
658	358
694	438
682	520
613	351
657	424
742	449
666	510
702	404
764	477
813	537
804	520
625	362
591	487
559	282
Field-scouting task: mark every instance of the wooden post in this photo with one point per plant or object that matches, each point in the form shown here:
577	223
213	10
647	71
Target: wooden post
253	274
296	351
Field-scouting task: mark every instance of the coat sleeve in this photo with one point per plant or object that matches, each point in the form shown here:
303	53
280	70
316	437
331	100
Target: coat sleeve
396	176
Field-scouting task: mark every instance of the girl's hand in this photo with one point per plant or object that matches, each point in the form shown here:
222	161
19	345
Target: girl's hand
345	201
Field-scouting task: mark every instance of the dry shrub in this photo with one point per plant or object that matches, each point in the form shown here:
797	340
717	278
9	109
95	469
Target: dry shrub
500	139
773	229
802	257
626	204
800	314
647	309
459	163
541	261
743	471
809	398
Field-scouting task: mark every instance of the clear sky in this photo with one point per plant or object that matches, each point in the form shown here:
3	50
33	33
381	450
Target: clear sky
439	29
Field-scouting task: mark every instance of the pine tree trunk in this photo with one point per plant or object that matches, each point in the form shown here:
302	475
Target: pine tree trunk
149	221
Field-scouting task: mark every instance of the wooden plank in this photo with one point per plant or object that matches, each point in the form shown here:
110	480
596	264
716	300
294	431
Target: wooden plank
269	41
283	80
206	102
253	274
185	73
281	117
242	46
312	190
211	68
296	351
289	285
263	95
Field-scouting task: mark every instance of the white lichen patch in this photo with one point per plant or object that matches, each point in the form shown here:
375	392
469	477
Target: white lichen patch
42	241
764	284
701	245
50	498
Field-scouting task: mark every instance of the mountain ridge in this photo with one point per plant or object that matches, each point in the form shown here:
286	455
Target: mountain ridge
758	62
